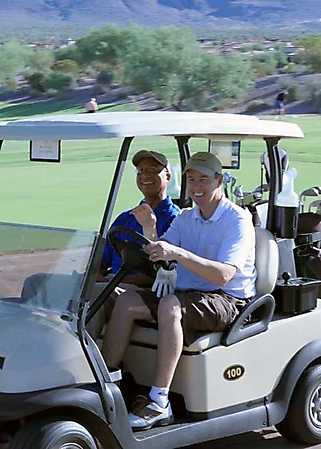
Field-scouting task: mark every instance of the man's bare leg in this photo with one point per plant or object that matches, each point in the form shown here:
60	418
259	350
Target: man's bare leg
170	340
169	348
128	307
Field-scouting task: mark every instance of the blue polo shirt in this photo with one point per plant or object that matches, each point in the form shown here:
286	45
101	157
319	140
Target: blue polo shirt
165	213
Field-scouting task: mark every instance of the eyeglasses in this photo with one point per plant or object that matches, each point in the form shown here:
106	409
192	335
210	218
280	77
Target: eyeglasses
150	170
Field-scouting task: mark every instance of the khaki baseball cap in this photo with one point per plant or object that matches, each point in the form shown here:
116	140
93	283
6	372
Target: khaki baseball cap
206	163
144	154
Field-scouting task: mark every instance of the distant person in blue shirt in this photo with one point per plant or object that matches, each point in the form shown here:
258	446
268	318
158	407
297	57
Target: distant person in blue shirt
279	102
152	177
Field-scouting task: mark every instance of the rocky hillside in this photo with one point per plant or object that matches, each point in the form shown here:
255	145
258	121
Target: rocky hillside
81	15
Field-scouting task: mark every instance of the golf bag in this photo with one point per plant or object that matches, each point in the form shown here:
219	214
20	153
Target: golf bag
308	255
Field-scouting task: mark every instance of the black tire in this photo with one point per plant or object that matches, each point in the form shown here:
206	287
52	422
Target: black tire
48	434
302	423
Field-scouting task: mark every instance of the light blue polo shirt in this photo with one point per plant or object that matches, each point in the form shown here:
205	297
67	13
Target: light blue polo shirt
227	236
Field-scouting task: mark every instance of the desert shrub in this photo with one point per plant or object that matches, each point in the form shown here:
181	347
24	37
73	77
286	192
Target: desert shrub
66	66
35	80
11	84
58	81
105	77
103	82
292	89
293	93
257	106
314	94
34	93
292	68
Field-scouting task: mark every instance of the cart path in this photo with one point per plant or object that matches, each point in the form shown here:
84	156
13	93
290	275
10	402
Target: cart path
267	438
15	268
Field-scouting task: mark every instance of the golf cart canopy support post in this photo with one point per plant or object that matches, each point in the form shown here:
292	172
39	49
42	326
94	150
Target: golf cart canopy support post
275	181
119	171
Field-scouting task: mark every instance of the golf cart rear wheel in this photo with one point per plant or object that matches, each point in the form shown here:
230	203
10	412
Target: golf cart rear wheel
48	434
302	423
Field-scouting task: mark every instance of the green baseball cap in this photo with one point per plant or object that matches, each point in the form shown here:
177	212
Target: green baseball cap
204	162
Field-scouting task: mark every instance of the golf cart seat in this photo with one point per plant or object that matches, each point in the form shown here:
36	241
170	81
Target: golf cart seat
261	306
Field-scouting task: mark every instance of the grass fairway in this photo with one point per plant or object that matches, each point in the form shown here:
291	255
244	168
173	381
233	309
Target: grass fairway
73	193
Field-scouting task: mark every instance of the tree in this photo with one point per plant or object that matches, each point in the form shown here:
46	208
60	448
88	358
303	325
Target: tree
40	60
70	52
264	64
101	46
169	62
66	66
312	52
13	58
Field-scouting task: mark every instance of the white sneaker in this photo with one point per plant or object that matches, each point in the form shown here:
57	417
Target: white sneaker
146	414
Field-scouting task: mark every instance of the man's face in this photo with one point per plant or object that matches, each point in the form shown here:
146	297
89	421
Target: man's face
203	189
151	177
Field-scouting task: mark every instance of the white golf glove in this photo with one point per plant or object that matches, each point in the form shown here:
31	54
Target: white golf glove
165	282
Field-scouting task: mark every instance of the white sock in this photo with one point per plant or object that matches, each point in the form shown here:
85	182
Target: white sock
159	395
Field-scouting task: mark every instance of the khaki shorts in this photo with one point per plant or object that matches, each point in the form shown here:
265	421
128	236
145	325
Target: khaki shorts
202	312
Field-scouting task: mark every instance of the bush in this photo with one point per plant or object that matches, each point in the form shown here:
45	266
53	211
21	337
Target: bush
314	94
292	68
58	81
292	89
257	106
35	81
293	93
66	66
105	77
104	80
11	84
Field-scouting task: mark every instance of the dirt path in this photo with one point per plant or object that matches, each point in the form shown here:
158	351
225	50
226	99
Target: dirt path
15	268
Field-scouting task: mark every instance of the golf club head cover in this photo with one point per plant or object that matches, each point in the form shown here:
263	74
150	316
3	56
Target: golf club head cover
165	281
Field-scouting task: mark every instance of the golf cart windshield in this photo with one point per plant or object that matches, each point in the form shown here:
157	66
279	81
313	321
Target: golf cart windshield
32	256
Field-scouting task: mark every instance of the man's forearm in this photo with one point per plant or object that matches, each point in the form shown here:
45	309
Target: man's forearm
150	233
217	272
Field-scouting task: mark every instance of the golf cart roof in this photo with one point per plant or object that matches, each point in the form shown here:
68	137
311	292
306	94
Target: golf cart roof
126	124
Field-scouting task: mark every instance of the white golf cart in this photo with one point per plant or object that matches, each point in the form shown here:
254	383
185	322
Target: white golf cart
56	391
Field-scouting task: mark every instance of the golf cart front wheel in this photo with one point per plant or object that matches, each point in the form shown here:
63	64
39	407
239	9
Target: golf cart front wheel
302	423
41	434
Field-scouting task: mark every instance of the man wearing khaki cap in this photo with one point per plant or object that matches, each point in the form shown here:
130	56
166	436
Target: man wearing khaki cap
213	244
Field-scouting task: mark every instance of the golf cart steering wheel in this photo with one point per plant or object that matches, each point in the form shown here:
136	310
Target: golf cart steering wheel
133	249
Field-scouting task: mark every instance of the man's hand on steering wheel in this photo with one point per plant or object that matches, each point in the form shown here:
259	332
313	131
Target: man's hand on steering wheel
146	254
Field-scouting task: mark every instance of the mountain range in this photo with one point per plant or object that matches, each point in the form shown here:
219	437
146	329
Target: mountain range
278	16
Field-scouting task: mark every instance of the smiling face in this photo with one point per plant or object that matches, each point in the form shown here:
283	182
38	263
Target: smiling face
204	190
152	179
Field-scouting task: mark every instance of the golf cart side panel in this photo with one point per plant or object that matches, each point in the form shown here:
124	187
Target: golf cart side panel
308	355
196	374
81	398
39	351
185	434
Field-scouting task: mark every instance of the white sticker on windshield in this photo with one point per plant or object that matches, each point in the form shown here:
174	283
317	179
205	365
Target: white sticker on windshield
45	150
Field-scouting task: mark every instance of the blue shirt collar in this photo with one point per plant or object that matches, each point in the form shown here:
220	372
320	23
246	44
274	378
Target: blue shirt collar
163	205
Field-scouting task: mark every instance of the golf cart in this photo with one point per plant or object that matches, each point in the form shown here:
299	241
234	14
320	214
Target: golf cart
55	389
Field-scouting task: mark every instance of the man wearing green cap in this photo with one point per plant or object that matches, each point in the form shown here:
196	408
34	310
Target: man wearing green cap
213	244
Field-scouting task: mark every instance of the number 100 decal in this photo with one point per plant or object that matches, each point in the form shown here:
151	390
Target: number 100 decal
234	372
